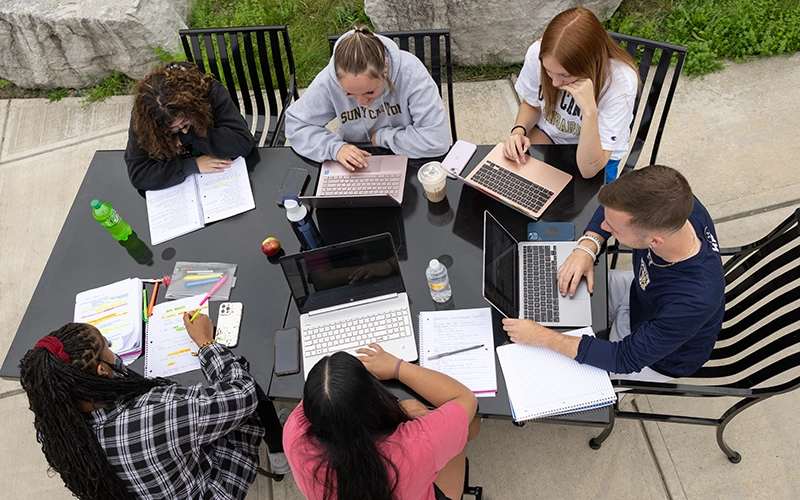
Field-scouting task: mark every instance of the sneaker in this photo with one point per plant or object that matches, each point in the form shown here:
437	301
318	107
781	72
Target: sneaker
278	463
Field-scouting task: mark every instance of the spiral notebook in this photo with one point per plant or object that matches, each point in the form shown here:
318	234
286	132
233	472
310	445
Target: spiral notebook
542	382
442	332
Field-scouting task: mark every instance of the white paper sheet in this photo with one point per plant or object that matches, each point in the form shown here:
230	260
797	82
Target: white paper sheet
447	331
169	348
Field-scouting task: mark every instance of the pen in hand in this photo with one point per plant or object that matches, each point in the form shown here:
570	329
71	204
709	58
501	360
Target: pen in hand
208	295
465	349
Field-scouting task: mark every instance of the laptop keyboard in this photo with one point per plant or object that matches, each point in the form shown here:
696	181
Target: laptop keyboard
540	294
361	184
356	332
514	187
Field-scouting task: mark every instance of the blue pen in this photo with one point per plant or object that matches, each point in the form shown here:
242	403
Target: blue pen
200	282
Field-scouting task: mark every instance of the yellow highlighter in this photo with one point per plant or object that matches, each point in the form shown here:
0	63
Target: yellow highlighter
196	277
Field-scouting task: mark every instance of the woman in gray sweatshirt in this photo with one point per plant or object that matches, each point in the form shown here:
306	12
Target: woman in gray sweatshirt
380	96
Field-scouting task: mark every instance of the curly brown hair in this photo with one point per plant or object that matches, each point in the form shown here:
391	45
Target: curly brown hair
173	92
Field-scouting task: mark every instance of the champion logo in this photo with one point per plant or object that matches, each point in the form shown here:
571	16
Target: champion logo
613	137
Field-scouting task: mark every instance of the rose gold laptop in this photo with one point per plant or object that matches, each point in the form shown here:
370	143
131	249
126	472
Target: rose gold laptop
529	187
381	184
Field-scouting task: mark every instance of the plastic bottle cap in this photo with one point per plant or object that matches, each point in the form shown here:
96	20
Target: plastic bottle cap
435	264
96	203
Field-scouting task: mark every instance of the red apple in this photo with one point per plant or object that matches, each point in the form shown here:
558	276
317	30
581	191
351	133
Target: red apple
270	246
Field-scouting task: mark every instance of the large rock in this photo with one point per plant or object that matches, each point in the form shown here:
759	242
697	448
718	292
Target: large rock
481	31
61	43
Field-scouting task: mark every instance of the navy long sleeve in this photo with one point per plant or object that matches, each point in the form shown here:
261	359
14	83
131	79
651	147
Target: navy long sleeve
229	137
676	311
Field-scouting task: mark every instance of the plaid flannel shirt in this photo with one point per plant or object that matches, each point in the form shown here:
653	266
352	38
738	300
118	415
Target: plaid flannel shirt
187	442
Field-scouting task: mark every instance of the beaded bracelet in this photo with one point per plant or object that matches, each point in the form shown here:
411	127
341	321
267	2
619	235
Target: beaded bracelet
587	250
397	369
592	238
515	127
203	346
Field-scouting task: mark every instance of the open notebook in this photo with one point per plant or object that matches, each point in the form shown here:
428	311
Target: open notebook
542	382
197	201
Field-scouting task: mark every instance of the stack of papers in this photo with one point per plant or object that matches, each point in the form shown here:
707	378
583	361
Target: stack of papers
197	201
115	310
442	332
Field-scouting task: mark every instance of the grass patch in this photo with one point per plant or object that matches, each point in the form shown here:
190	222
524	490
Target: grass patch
310	22
114	84
713	30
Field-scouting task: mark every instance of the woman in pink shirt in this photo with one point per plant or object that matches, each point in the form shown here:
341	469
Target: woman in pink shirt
350	437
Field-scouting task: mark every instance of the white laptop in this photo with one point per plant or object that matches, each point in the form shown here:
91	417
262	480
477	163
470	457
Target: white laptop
350	295
519	279
381	184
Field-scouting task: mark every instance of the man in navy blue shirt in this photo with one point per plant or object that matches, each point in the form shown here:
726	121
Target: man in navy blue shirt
666	325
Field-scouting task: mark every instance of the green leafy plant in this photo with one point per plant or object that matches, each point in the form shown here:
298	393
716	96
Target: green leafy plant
114	84
713	30
56	95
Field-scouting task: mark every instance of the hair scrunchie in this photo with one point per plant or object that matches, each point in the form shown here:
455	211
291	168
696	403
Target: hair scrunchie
55	347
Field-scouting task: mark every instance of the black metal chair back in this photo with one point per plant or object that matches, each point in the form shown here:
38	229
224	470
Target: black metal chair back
253	63
430	47
762	297
649	51
756	355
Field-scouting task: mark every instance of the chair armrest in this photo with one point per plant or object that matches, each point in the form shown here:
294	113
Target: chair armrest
668	389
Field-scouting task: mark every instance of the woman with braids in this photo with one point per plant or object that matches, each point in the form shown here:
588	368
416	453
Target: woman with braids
183	122
380	96
577	87
351	438
111	433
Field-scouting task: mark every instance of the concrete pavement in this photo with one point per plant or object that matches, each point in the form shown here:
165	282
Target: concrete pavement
731	133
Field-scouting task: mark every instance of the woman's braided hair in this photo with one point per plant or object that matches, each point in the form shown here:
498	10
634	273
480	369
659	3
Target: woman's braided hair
55	389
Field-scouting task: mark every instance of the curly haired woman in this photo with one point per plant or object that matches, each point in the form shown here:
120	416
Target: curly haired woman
183	122
111	433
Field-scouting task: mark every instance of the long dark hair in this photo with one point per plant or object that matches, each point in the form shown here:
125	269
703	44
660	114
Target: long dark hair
54	389
350	411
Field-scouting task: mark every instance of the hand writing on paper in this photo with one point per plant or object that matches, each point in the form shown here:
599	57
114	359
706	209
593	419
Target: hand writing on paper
202	330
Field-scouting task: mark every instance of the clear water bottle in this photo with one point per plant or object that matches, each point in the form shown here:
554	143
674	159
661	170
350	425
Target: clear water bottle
438	281
304	227
105	214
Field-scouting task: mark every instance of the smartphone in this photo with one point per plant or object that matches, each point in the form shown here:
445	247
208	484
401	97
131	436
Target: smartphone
287	351
293	184
551	231
228	321
458	157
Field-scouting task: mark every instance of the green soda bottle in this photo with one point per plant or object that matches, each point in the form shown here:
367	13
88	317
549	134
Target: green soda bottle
105	214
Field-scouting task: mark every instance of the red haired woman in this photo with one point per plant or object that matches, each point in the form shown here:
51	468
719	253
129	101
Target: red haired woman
578	86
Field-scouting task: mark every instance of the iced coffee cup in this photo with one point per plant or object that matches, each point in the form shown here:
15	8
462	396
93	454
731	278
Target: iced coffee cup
434	180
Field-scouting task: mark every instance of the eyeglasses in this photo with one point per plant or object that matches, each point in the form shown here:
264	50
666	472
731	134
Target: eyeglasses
183	129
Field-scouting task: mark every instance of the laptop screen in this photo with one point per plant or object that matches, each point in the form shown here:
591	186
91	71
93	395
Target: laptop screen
342	273
500	268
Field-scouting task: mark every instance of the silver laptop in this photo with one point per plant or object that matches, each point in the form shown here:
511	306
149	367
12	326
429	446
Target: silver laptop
529	187
350	295
519	279
381	184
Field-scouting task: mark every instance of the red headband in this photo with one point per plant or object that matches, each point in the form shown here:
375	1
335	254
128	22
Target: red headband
55	347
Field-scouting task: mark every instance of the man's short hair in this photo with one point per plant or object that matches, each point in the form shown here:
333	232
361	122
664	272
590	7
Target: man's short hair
657	198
